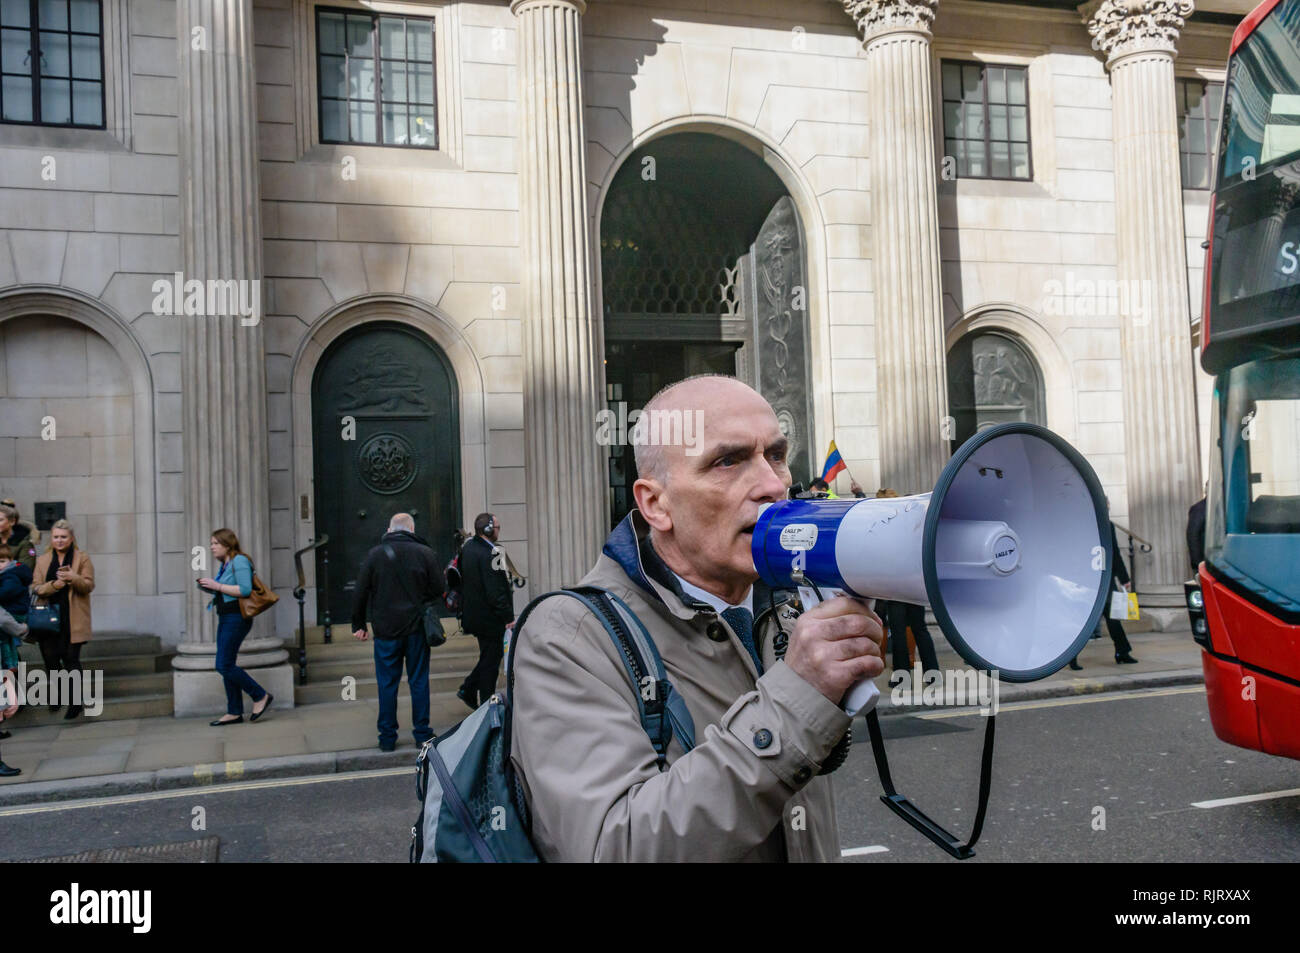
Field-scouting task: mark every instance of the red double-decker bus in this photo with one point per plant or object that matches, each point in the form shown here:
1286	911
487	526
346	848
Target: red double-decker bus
1245	602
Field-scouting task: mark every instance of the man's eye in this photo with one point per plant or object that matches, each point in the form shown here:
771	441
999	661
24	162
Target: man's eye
726	461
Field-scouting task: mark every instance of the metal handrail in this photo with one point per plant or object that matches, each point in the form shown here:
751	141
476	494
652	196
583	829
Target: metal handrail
1132	553
300	593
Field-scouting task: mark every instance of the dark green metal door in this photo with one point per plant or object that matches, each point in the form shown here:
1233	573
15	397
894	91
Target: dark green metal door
386	439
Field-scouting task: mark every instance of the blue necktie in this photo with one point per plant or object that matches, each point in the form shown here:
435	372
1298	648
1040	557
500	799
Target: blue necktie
741	621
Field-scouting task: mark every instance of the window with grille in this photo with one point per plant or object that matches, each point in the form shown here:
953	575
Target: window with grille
376	79
52	63
1198	129
986	120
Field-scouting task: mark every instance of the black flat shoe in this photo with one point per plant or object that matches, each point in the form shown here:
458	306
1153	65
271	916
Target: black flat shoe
270	700
1076	666
5	734
8	772
464	696
221	724
73	712
1124	658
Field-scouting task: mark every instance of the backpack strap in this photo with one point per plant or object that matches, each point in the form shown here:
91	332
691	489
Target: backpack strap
660	708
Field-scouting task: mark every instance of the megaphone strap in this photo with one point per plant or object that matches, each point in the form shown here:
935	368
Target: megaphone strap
909	812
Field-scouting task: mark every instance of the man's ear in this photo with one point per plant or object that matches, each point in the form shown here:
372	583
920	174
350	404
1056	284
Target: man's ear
651	499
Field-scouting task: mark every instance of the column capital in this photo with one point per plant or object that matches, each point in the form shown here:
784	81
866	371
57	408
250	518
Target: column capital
879	17
1121	27
517	5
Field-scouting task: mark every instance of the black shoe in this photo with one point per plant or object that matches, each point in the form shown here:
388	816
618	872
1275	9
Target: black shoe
221	724
270	700
8	772
464	696
5	734
72	712
1074	664
1124	658
389	746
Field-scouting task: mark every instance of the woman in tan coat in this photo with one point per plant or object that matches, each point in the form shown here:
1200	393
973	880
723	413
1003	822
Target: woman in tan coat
65	577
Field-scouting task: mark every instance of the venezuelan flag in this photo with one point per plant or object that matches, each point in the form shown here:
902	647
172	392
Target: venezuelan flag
834	463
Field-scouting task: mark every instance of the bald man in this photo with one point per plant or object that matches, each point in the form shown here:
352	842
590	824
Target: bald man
763	684
398	577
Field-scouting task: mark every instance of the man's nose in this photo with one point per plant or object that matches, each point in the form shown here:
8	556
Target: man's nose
771	484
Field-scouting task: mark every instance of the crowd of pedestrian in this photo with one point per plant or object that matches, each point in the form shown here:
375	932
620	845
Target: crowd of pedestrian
45	599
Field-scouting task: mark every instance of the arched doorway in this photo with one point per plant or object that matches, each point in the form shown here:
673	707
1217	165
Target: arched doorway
386	439
992	379
703	270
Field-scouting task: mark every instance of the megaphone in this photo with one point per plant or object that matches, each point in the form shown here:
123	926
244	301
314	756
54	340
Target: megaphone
1011	550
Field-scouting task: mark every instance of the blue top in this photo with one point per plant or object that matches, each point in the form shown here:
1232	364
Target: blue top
236	572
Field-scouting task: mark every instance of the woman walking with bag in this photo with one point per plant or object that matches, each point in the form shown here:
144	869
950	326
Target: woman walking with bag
63	579
234	581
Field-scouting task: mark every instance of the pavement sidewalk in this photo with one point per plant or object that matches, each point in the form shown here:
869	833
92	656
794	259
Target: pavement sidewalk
89	759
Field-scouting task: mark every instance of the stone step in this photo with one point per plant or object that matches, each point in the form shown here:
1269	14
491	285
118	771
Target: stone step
105	645
331	691
332	669
342	631
115	709
115	664
129	686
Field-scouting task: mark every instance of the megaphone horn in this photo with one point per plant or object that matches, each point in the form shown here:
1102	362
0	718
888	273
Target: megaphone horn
1010	550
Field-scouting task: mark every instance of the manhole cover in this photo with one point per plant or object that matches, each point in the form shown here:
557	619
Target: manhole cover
201	851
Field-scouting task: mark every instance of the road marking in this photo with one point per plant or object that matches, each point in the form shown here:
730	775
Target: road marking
1072	700
201	791
1246	798
859	851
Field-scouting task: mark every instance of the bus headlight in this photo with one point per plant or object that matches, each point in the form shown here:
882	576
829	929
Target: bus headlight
1196	601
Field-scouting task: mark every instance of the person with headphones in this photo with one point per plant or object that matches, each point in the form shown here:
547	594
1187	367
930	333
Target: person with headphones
488	608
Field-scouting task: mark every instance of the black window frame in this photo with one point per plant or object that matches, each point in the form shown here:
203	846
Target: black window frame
1181	84
988	141
374	16
35	30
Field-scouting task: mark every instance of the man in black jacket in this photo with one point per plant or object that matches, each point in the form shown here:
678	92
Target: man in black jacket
488	608
397	578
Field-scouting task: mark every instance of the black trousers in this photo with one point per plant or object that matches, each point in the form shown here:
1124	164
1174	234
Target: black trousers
60	652
898	616
481	682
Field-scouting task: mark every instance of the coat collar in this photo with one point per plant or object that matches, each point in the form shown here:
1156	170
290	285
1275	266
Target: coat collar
629	546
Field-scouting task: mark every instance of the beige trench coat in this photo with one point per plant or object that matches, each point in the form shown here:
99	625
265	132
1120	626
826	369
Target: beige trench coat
588	769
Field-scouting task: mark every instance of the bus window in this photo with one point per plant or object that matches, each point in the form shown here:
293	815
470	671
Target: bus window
1261	120
1253	524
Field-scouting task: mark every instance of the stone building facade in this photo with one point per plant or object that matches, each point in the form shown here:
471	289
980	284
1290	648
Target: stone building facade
433	318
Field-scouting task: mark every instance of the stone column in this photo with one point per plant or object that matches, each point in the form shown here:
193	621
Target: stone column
1162	460
564	377
911	363
223	371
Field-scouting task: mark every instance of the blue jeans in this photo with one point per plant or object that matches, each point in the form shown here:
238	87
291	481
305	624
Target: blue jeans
389	656
232	628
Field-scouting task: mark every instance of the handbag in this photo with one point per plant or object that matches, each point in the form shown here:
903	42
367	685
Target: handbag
43	619
430	623
258	600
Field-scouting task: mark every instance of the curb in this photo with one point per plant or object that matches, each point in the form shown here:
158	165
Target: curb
369	759
204	775
1056	688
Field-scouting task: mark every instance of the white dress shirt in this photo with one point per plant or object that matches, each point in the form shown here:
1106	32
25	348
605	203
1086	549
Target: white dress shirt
717	603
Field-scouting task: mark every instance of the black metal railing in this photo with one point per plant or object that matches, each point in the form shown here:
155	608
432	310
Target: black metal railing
1143	547
300	593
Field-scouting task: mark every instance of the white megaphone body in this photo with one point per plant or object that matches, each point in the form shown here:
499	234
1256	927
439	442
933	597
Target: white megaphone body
1011	550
